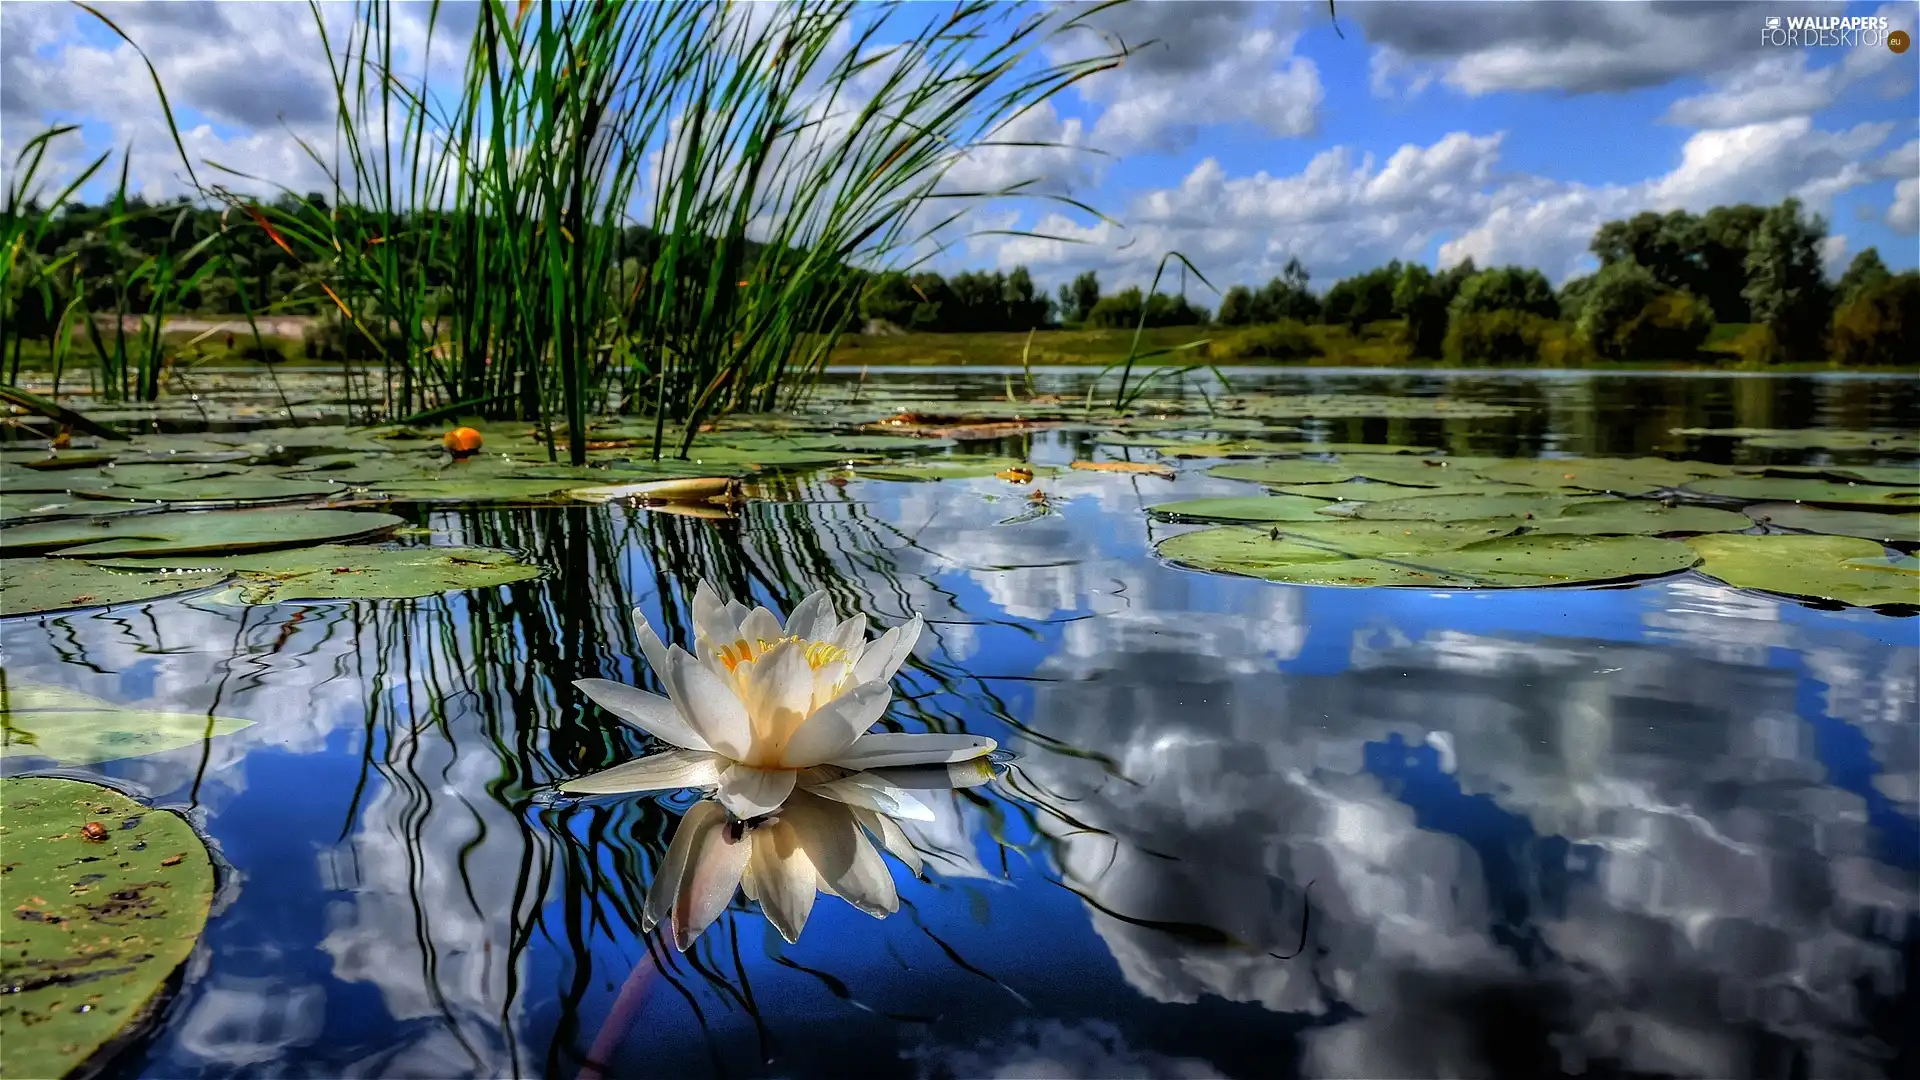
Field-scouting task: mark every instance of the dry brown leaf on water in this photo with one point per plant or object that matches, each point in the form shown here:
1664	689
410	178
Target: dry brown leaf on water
1164	472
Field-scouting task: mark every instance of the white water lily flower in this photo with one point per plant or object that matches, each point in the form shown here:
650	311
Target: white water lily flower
812	845
760	707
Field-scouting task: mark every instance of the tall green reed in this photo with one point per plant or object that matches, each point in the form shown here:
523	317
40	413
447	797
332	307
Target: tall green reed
651	207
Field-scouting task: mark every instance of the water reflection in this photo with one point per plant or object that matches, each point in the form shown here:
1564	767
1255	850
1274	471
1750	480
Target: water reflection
1667	829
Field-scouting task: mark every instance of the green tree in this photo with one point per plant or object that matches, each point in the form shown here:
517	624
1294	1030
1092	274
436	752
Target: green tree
1726	235
1236	307
1573	296
1864	272
1629	314
1880	326
1667	245
1077	299
1507	288
1363	298
1786	287
1421	298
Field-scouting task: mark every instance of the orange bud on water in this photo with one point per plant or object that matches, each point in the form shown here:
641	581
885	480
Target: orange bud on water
461	441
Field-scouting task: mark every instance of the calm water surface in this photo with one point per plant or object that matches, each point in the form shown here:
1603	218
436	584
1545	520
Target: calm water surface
1665	829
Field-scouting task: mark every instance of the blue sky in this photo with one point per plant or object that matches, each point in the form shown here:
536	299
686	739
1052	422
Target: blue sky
1248	134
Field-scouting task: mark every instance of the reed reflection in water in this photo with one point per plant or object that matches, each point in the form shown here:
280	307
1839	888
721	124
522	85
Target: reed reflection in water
1668	829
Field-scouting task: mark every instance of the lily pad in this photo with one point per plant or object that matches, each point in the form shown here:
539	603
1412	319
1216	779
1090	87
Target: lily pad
1362	448
477	491
193	532
1812	438
1610	517
1372	491
950	468
98	927
1463	507
1620	476
1243	508
143	475
220	489
1287	472
1782	489
1898	475
1842	568
1501	562
333	572
1373	538
1892	528
73	728
35	586
31	506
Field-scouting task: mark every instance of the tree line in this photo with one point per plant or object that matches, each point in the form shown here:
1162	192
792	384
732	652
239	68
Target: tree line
1663	283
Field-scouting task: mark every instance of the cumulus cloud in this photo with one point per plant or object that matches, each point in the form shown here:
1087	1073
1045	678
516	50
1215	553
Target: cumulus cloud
1904	215
1582	47
1198	64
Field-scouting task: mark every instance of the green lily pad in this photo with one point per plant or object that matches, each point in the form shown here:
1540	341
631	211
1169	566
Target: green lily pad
220	489
1243	508
1367	406
1362	448
477	491
333	572
1842	568
97	927
192	532
1897	475
1368	539
31	506
1812	438
145	475
1287	472
1778	489
1463	507
1889	528
1612	517
73	728
35	586
1501	562
949	468
1620	476
16	480
1372	491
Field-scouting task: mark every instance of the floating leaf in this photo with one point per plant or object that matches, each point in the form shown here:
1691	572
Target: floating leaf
1899	475
97	928
1462	507
1777	489
1243	508
1361	448
221	489
1373	538
1890	528
1287	472
29	506
1620	476
73	728
948	468
332	572
1612	517
693	488
144	475
1502	562
1842	568
34	586
1811	438
1165	472
1371	491
193	532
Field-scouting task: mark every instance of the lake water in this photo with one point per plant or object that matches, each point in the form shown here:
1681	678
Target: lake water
1667	829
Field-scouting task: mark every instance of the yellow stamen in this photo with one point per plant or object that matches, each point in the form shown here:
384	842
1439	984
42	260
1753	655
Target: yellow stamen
819	653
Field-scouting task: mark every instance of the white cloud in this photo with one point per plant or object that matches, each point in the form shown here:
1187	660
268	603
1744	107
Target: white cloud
1781	83
1904	215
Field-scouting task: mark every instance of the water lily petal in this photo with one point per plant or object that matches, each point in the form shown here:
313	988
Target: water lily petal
972	772
835	727
846	861
666	881
714	627
651	713
777	690
669	771
748	886
812	618
871	791
884	749
710	706
761	624
650	644
883	658
893	839
784	878
716	859
748	792
850	635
